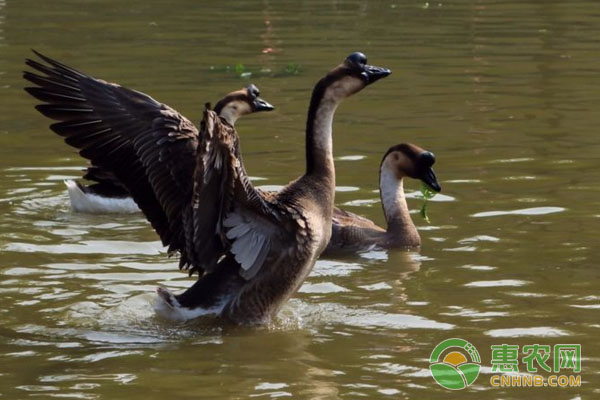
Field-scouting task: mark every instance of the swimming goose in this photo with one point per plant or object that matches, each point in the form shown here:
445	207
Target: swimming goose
109	195
263	245
125	133
252	250
351	232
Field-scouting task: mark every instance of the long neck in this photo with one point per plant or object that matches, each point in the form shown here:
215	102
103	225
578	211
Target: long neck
319	147
228	116
394	206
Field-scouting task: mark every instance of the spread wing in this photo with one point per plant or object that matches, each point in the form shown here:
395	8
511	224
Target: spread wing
146	145
230	215
106	183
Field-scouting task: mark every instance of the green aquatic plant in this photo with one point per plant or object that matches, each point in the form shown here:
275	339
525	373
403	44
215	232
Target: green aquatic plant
239	69
243	72
292	69
428	193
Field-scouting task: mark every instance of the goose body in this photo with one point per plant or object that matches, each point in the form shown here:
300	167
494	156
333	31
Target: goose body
272	240
351	232
108	195
252	250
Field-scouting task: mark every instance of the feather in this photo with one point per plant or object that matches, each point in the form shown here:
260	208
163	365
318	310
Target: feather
123	132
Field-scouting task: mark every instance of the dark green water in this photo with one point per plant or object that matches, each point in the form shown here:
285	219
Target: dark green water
504	92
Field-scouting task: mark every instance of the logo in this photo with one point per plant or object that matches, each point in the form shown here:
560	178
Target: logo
455	371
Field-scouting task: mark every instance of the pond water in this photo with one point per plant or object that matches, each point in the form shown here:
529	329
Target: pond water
505	93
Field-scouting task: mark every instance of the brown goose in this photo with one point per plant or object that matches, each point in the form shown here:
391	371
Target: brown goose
109	195
146	146
252	251
351	232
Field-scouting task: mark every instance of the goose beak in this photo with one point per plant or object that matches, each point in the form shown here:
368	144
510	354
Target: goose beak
261	105
430	180
372	73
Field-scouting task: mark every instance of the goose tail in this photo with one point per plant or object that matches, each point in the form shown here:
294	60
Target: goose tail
84	201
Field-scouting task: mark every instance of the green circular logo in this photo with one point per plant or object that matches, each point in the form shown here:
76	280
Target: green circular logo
455	370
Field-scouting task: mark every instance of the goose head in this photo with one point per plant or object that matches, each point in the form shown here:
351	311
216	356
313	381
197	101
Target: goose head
409	160
241	102
353	75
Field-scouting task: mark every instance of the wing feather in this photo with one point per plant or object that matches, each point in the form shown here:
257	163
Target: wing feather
229	214
190	184
146	146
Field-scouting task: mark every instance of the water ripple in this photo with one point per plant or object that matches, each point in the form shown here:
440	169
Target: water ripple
88	247
497	283
523	211
541	331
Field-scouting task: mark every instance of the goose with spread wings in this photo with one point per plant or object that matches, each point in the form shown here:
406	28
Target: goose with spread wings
146	146
251	250
107	195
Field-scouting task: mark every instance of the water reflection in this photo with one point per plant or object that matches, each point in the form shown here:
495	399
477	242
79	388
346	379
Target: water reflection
388	290
2	5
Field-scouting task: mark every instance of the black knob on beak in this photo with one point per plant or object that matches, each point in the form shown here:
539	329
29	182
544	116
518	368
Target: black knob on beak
427	158
357	58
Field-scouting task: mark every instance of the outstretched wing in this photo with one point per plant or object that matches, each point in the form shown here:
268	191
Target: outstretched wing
105	183
230	215
146	145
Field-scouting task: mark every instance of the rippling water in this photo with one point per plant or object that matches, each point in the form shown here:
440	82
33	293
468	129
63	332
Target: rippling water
505	93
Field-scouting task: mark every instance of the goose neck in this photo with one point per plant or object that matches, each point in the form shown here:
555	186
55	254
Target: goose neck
319	127
394	203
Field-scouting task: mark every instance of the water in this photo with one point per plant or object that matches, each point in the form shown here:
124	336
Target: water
503	92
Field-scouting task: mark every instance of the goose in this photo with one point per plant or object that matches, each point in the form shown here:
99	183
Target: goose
251	250
351	232
109	195
117	129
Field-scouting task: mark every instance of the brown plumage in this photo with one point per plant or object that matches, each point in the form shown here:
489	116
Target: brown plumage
143	143
270	240
251	250
134	143
107	186
351	232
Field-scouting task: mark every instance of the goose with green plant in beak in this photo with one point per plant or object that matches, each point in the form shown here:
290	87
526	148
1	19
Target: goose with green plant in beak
251	250
351	232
